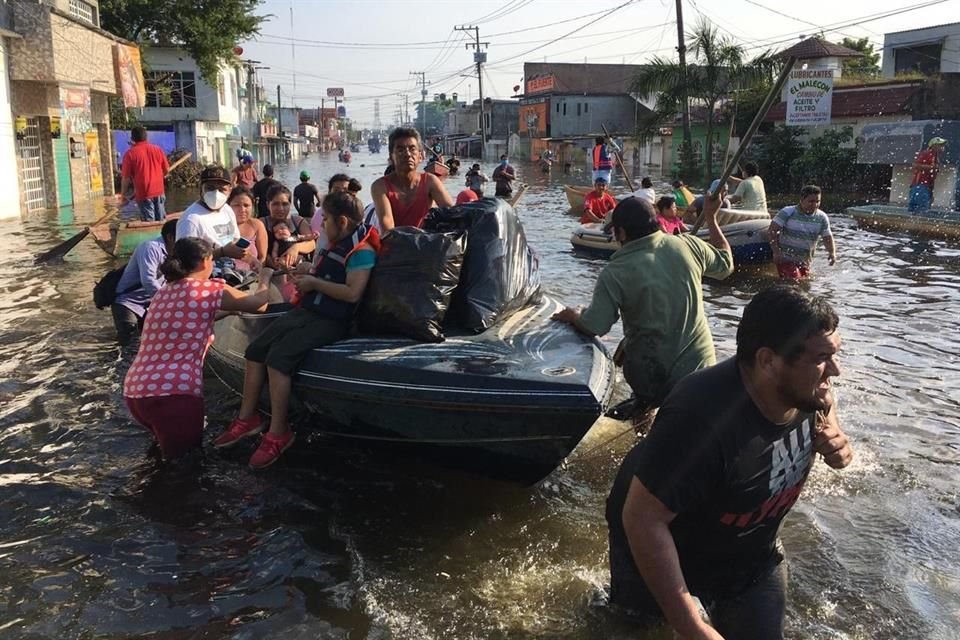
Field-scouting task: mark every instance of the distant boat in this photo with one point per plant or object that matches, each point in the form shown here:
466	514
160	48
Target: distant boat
933	223
437	168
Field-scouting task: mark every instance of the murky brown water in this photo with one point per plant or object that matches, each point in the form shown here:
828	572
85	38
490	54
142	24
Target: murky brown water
95	541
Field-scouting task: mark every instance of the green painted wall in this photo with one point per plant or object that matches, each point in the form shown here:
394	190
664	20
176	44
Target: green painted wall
698	135
61	158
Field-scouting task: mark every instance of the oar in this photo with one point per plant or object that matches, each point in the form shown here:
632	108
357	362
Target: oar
757	119
616	153
64	247
61	249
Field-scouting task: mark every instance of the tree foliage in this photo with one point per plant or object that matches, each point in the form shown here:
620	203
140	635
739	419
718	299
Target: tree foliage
776	152
435	114
718	69
866	67
206	29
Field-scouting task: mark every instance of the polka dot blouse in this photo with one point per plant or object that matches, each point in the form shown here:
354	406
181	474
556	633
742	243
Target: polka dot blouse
177	332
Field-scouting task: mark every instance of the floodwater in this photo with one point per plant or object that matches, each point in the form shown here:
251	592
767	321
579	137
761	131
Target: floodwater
96	541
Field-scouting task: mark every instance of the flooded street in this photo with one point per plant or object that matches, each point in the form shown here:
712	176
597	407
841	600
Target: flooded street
96	541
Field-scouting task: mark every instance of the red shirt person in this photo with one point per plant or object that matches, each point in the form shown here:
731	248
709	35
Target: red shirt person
926	166
144	167
598	203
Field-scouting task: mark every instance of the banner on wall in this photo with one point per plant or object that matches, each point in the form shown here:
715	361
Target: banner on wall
129	72
55	127
92	142
75	103
809	97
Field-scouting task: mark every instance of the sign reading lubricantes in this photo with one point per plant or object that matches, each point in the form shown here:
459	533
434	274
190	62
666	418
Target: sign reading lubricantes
809	97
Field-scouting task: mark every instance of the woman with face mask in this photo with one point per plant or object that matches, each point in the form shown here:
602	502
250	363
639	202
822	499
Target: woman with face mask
211	218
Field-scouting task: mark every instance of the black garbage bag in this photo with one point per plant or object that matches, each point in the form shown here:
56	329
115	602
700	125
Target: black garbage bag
501	273
409	289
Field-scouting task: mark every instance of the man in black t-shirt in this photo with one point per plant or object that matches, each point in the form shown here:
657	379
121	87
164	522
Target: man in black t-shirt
697	505
260	190
306	196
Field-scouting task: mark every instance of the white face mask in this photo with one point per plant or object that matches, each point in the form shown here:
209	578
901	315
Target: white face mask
214	199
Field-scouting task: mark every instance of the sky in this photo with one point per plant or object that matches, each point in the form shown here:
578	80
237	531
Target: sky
372	48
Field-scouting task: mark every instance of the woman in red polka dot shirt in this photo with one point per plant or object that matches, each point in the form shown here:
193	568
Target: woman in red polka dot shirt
164	386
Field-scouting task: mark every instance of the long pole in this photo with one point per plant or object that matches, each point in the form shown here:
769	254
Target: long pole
279	114
757	119
684	98
478	58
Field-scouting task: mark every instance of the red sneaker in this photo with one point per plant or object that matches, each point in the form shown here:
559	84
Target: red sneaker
270	449
238	430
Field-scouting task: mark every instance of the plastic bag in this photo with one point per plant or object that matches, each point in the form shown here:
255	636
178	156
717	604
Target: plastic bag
501	273
410	287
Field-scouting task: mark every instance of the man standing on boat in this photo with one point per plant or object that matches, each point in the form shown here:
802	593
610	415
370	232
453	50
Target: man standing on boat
696	508
926	166
654	283
405	196
144	167
602	162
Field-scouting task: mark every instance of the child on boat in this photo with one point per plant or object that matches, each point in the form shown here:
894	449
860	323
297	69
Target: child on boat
667	216
164	387
330	295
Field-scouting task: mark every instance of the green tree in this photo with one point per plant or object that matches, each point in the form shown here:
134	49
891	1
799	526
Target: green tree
867	66
718	70
435	114
776	152
206	29
826	162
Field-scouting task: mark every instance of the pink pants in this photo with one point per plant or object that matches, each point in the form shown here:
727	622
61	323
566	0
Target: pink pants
175	421
793	270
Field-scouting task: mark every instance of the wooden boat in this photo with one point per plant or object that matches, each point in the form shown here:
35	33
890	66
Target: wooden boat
748	240
933	223
438	169
576	195
511	402
120	236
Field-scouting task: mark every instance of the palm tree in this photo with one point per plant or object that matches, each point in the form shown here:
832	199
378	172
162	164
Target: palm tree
719	68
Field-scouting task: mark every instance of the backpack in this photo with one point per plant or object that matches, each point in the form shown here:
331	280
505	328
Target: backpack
105	291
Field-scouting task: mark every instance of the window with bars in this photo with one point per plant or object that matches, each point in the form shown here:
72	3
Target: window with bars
83	11
171	89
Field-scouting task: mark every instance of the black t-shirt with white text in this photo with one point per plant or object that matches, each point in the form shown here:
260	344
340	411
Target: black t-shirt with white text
728	473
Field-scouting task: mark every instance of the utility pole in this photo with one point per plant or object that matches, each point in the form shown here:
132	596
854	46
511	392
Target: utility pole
251	96
479	57
684	98
423	103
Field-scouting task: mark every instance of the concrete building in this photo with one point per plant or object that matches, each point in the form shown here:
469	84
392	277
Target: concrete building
205	119
499	122
928	51
565	106
9	182
62	69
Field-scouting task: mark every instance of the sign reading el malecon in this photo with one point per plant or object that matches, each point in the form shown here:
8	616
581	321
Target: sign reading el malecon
809	97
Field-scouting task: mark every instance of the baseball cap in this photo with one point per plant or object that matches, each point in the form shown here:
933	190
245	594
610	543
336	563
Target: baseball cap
714	187
636	215
214	173
936	141
600	179
304	175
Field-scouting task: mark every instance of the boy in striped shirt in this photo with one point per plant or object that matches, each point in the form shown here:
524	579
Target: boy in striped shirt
794	232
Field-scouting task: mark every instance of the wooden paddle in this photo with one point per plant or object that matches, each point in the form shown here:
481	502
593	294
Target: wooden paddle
64	247
616	152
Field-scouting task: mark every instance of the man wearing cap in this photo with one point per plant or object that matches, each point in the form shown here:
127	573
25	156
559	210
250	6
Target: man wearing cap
654	283
926	166
598	203
244	175
306	196
211	218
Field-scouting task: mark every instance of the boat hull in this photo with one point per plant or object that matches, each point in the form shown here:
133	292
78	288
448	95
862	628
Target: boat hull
438	169
749	241
510	403
120	237
944	225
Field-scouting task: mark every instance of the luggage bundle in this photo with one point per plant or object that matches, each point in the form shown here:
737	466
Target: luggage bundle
469	267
